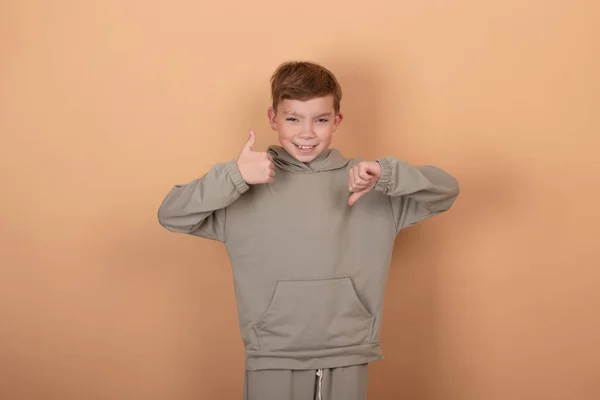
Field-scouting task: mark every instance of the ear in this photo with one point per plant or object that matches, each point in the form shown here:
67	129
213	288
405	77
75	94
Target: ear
339	117
272	115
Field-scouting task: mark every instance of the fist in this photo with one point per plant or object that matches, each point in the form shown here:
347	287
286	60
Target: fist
362	178
255	166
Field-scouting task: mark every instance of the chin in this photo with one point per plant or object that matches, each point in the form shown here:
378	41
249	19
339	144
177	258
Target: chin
305	158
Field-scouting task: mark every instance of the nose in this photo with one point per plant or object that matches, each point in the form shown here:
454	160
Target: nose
307	131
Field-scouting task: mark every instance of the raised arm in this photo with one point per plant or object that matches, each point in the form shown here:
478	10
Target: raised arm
416	192
199	207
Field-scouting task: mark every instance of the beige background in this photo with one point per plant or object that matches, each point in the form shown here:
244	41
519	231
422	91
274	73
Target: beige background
105	105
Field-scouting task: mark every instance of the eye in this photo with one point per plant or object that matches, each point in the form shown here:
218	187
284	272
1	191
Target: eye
291	119
323	120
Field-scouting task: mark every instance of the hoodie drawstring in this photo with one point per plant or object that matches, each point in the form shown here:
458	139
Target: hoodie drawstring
319	384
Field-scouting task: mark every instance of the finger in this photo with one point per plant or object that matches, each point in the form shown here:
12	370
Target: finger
363	172
359	187
251	140
270	157
360	182
355	179
374	170
357	184
355	196
357	174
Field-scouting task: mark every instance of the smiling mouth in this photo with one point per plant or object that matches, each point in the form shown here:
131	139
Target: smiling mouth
305	149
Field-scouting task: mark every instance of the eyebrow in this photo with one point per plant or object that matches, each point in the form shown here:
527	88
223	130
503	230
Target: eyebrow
295	114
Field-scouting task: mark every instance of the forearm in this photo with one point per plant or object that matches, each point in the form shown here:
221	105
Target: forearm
430	186
187	207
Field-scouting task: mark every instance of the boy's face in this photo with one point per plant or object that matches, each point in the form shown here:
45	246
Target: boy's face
305	127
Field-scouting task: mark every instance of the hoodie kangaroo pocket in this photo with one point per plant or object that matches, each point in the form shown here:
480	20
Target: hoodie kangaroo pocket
314	315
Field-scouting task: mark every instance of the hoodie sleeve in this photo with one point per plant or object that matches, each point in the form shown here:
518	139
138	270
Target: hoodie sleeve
199	207
416	192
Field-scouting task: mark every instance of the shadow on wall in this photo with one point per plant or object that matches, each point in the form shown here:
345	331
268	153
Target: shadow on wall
432	260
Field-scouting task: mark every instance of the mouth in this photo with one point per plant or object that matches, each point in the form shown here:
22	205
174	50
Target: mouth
305	149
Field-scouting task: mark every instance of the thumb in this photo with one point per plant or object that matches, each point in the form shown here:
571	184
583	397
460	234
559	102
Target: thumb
357	195
250	143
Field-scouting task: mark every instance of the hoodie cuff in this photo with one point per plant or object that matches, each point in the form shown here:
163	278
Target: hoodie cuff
385	180
236	176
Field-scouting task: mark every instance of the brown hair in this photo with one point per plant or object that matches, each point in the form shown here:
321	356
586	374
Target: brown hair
303	80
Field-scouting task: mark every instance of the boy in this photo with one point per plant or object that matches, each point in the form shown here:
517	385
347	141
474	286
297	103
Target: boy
310	235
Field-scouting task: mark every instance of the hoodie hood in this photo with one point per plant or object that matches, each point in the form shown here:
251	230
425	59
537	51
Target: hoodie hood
330	159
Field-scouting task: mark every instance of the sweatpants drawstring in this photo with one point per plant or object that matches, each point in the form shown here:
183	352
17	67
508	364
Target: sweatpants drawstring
319	384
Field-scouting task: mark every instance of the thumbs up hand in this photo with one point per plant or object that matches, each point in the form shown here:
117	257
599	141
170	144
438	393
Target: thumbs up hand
256	167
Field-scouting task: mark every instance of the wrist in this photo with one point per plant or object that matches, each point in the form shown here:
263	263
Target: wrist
385	178
235	173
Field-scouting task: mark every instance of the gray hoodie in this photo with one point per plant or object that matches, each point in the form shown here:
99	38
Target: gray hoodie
309	270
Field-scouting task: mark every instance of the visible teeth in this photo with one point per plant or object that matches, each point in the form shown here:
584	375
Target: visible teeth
306	147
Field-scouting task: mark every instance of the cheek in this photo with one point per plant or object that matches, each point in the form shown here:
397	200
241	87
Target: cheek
286	132
324	131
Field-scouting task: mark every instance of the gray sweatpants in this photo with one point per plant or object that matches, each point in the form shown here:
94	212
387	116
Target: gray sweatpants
344	383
